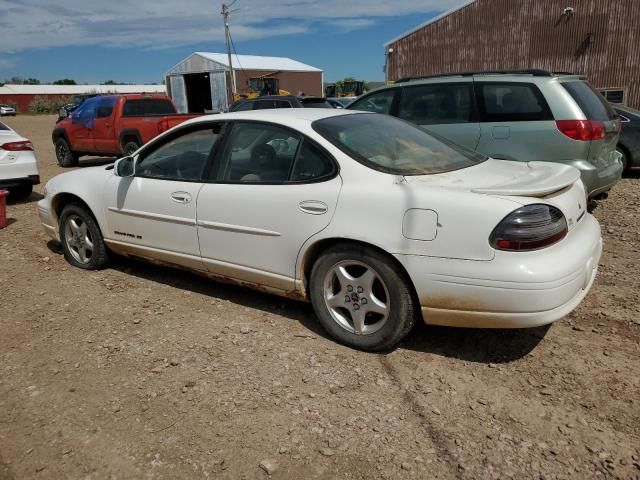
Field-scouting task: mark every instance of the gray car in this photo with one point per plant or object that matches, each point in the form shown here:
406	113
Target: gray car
519	115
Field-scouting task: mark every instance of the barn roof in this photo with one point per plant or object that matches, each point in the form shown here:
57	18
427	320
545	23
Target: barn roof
78	89
208	61
430	21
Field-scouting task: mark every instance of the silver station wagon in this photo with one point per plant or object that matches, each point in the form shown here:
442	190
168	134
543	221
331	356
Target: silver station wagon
529	115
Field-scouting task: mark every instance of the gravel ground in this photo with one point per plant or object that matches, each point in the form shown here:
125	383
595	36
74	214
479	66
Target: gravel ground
146	372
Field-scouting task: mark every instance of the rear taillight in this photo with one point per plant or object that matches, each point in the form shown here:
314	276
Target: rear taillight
17	146
583	130
529	228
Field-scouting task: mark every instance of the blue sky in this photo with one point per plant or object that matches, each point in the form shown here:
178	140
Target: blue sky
92	42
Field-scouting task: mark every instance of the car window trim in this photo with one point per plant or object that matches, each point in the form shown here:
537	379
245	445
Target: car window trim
154	146
221	150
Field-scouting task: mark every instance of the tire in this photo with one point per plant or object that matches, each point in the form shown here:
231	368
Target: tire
625	158
81	239
18	193
387	309
129	147
65	156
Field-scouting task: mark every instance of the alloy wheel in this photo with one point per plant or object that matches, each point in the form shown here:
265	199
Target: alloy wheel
356	297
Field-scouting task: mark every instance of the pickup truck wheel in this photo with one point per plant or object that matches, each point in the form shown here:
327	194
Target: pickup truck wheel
130	147
81	239
65	156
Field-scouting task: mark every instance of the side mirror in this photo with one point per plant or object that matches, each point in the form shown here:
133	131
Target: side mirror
124	167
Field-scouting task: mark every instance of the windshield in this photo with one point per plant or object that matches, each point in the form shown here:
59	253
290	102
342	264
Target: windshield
394	146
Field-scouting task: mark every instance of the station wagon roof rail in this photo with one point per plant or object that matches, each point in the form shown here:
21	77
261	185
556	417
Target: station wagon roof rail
532	72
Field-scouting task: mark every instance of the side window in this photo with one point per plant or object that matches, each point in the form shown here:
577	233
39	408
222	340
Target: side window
85	113
242	107
181	158
263	104
512	102
105	107
259	153
436	104
380	102
282	104
311	163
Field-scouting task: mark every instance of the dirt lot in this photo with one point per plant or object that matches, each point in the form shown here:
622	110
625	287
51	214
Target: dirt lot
145	372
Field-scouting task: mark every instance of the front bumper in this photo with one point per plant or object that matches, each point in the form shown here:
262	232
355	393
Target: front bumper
46	218
515	289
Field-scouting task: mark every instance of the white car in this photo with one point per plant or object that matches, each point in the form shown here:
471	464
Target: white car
7	110
18	166
374	221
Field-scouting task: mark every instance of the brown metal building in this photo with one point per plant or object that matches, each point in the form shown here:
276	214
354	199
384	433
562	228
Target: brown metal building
596	38
202	83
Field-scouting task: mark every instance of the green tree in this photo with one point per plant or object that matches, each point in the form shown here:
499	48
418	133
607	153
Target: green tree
32	81
65	81
110	82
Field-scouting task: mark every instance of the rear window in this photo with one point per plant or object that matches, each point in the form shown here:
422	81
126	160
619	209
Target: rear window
393	146
592	104
3	126
148	106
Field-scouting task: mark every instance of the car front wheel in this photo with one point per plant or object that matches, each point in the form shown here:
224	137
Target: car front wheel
65	156
81	239
362	298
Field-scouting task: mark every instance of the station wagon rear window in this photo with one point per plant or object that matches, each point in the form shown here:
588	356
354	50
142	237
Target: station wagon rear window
592	104
148	106
394	146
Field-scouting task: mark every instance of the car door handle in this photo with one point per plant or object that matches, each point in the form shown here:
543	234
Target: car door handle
313	207
181	197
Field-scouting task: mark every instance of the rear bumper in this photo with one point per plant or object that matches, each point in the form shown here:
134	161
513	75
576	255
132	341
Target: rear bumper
598	180
515	289
19	182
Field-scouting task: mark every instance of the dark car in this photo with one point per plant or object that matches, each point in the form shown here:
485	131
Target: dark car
279	101
629	142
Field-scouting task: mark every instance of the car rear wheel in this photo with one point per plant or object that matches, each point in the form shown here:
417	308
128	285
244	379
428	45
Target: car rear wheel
362	298
130	147
65	156
81	239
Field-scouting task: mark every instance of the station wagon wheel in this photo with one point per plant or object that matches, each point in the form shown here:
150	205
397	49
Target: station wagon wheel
356	297
362	297
81	239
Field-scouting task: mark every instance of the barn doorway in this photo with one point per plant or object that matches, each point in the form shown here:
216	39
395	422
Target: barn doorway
198	90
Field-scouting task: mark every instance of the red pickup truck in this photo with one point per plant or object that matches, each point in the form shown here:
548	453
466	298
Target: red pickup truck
113	125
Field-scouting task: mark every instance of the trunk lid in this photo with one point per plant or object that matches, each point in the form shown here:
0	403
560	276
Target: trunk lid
525	183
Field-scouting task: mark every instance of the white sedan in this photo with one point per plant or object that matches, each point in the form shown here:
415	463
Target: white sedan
374	221
18	166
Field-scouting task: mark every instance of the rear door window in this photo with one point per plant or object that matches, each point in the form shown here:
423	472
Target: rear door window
592	104
148	106
511	102
436	104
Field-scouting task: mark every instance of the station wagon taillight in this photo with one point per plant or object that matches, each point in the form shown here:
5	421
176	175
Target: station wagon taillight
583	130
17	146
529	228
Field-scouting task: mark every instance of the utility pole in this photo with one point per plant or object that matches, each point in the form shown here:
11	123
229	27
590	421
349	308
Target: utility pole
226	11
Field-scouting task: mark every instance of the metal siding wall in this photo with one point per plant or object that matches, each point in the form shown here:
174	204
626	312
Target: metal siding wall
506	34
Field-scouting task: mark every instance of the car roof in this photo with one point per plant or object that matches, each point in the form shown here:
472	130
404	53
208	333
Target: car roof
278	115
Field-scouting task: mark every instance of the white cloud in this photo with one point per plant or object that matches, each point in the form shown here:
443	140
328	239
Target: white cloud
145	23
